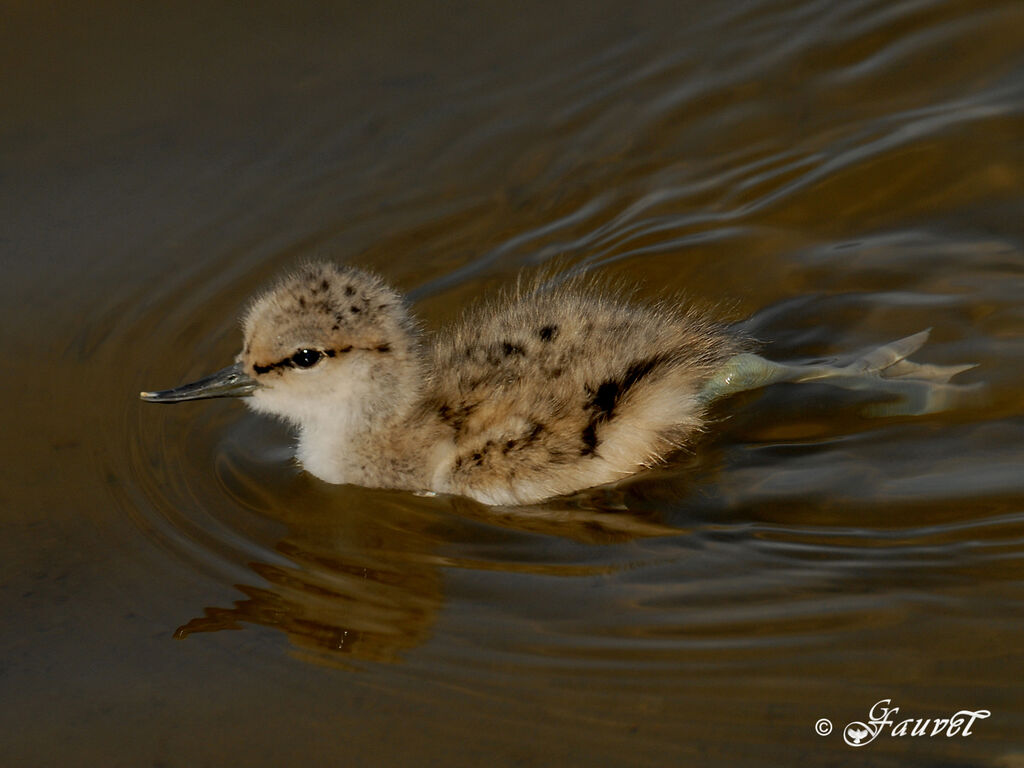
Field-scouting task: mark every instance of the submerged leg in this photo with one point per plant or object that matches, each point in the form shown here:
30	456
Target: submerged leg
919	387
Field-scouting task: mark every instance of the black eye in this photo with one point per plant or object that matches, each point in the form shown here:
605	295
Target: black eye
307	358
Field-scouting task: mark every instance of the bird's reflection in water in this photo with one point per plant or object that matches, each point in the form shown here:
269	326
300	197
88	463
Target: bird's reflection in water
353	577
370	607
364	569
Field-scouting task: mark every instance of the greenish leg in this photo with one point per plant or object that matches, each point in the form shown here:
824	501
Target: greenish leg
918	387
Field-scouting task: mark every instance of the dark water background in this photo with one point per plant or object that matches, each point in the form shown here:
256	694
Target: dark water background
842	173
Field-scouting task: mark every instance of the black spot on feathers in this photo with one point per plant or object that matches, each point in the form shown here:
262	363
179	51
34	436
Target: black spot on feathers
548	333
608	394
511	350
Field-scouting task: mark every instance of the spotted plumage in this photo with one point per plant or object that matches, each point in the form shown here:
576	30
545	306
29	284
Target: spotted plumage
548	391
539	392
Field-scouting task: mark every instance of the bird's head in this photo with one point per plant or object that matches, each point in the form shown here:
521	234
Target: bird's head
323	342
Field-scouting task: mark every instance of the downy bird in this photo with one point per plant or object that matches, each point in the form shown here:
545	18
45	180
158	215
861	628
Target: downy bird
541	392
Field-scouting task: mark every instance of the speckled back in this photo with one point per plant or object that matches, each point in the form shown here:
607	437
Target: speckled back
560	389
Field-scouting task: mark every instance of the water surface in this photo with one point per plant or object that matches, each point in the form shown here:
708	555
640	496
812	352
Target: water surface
831	175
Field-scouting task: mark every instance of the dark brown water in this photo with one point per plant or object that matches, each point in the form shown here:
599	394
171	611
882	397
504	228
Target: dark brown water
842	174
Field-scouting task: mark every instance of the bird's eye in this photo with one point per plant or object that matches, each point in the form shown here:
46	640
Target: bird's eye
307	358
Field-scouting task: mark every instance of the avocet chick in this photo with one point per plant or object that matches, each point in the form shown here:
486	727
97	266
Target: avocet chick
542	393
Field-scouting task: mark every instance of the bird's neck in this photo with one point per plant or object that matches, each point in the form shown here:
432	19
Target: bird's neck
342	441
329	448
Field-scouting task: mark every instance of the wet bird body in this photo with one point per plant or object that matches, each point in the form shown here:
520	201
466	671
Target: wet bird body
539	393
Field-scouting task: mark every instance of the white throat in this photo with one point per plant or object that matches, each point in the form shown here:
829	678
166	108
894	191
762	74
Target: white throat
340	438
329	446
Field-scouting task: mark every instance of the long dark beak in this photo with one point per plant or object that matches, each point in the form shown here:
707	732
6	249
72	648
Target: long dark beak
229	382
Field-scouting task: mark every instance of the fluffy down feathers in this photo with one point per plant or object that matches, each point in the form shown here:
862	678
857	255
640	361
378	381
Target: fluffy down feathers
533	394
